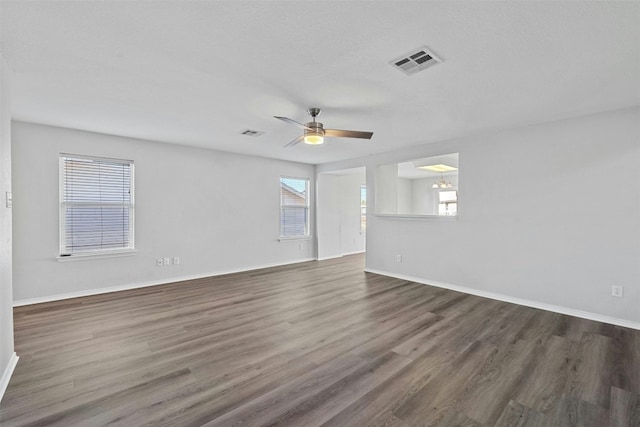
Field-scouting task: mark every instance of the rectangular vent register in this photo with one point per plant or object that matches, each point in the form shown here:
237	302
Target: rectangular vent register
415	61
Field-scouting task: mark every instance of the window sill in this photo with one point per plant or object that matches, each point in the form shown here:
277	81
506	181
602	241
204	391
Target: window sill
285	239
99	255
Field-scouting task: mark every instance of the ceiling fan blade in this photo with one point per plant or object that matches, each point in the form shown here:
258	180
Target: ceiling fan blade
348	133
295	141
292	122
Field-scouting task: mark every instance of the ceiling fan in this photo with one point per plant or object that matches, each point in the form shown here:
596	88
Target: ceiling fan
314	132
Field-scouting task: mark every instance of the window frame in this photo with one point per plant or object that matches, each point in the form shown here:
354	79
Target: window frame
307	207
447	203
65	254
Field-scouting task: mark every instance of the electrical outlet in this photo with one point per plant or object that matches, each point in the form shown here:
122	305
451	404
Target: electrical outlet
159	262
176	260
398	258
167	261
616	291
300	246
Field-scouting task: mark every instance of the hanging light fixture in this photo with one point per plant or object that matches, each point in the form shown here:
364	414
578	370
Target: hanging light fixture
442	183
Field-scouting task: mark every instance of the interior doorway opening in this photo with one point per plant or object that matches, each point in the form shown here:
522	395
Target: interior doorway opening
341	213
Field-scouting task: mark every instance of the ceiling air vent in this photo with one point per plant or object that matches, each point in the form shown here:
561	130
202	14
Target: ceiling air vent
250	132
417	60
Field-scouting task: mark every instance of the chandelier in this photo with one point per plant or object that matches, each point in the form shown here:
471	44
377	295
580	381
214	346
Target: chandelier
442	183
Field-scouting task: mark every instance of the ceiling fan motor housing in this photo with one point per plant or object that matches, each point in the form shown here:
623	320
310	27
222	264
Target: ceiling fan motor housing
315	128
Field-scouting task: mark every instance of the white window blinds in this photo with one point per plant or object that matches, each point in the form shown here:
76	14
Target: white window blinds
96	206
294	207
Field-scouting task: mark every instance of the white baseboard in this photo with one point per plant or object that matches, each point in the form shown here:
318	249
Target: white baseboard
6	376
109	289
353	253
514	300
329	257
340	256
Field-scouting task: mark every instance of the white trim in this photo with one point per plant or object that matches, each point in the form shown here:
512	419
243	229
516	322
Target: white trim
8	372
329	257
146	284
514	300
288	238
353	253
341	255
97	158
96	255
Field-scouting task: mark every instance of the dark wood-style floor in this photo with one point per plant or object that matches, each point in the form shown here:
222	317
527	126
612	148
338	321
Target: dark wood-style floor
317	343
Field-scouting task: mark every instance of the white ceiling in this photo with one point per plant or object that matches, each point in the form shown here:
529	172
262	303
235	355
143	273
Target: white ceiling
409	170
198	73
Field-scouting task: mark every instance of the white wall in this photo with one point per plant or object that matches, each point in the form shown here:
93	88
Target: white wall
353	241
424	198
532	224
329	216
405	202
339	214
7	356
218	212
386	189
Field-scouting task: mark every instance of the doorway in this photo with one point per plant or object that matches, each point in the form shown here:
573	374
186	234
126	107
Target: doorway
341	213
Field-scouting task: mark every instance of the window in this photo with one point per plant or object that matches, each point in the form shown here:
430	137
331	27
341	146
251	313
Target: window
96	205
363	209
448	202
294	207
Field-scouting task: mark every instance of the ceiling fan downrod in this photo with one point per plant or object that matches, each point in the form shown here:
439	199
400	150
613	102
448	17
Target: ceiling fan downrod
314	112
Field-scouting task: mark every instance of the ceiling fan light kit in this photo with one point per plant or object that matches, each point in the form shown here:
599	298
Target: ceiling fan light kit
314	132
313	138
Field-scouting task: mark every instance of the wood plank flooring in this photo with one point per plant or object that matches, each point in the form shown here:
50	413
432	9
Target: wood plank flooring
316	344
